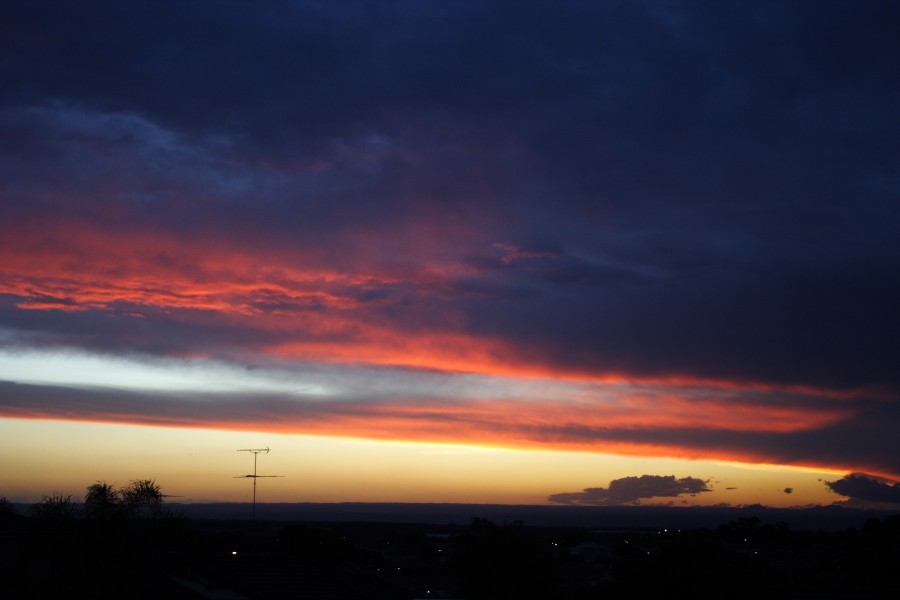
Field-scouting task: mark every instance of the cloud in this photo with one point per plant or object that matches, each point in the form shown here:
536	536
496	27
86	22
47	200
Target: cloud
689	206
505	408
630	490
378	403
860	486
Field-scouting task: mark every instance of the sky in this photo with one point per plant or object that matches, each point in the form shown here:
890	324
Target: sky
528	253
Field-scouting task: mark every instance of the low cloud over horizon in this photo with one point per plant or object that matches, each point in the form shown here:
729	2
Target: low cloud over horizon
631	490
860	486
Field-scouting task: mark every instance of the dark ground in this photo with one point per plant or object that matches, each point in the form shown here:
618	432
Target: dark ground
598	517
179	556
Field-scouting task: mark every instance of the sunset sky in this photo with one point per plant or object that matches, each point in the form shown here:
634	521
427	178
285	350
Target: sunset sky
527	253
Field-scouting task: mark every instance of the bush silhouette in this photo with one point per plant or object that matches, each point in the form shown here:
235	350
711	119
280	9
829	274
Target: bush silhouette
6	507
101	548
103	502
55	509
143	498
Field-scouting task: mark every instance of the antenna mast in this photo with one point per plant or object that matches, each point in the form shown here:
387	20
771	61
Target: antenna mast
255	452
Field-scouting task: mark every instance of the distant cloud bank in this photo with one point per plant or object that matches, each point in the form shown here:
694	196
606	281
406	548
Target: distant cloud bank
631	490
866	487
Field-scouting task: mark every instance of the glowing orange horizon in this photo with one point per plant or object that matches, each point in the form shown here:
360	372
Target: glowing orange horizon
457	438
530	424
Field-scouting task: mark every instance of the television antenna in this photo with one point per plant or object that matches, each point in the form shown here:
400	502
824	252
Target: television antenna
255	452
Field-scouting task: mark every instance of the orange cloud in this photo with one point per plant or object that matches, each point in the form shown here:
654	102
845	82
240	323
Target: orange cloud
301	303
74	266
626	423
304	305
454	432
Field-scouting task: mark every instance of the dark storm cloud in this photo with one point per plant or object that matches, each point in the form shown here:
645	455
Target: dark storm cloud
824	325
629	490
865	487
692	190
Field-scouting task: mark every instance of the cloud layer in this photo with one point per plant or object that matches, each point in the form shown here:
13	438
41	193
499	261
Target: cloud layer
865	487
677	223
631	490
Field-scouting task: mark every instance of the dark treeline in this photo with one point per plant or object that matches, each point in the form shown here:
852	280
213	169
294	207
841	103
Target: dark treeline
125	543
112	543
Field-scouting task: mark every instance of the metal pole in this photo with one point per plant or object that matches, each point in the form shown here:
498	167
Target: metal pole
255	452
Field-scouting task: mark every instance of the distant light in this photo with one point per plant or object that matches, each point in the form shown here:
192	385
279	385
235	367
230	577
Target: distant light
234	552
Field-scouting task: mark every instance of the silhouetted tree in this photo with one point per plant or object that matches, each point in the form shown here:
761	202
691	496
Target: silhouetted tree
143	498
6	507
105	548
55	509
103	502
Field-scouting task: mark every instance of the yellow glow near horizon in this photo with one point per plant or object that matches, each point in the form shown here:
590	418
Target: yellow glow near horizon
41	457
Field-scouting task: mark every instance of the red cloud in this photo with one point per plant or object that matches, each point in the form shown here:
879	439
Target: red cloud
297	304
628	425
300	302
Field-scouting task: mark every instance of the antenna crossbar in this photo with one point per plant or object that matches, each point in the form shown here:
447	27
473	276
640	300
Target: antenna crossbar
256	452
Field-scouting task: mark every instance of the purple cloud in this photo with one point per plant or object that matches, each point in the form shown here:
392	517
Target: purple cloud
630	490
866	487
